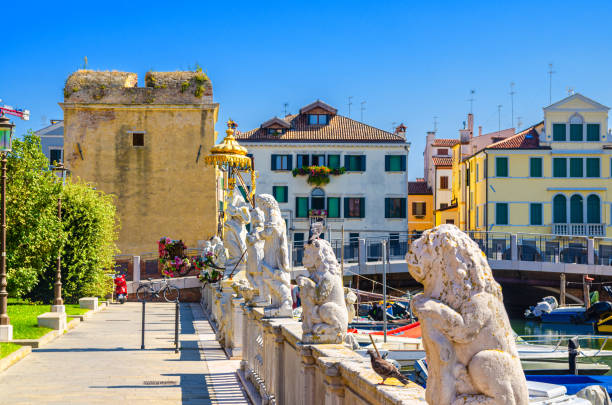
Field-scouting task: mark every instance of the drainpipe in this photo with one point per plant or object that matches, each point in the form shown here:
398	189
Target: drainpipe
486	169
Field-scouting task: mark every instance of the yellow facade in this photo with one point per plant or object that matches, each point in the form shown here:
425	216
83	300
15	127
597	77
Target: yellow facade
418	223
145	145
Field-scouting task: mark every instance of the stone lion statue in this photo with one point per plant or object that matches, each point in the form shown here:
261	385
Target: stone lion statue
471	354
324	309
234	230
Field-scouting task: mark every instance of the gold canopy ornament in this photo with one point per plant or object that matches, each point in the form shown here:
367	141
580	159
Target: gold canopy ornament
229	153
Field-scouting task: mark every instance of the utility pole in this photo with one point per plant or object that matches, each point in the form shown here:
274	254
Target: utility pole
512	92
550	73
499	106
350	103
362	109
471	100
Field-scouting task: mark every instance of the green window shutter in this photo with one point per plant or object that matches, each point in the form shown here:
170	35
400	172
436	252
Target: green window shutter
575	132
362	204
387	208
535	167
592	167
363	163
346	207
576	206
576	167
301	204
285	194
536	213
333	161
559	167
559	209
403	208
501	166
403	163
559	132
346	162
593	132
289	162
593	209
273	165
333	207
387	163
501	213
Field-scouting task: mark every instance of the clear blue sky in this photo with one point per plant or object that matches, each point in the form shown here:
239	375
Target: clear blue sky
410	61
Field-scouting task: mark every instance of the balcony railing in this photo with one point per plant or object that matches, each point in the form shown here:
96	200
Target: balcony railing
580	229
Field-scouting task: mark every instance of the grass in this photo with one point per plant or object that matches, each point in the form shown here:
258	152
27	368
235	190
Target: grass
8	348
74	309
23	316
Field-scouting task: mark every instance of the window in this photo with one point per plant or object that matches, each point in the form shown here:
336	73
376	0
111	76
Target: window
443	152
395	208
593	132
593	209
318	160
477	218
450	221
576	209
559	209
477	170
280	193
354	207
443	182
282	162
317	119
333	161
501	213
317	199
355	163
559	167
55	156
575	132
535	167
576	167
301	207
276	131
298	240
592	167
419	209
501	166
443	206
333	207
535	214
137	138
395	163
559	132
302	161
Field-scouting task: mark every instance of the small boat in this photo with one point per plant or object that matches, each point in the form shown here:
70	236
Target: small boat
574	383
549	311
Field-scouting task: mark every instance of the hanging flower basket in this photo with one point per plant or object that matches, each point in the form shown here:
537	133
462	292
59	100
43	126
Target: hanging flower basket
317	175
317	213
172	257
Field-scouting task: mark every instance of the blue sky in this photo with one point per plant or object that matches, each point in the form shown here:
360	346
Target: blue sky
409	61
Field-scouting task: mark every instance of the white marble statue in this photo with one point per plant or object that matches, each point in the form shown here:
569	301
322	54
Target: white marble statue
234	231
471	354
324	307
275	264
255	251
350	298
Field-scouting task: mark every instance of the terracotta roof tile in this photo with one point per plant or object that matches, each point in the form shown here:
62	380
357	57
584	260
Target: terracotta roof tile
445	142
418	187
442	161
527	139
339	129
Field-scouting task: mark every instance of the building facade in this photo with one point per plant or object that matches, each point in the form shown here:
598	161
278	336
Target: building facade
420	202
145	145
52	141
367	195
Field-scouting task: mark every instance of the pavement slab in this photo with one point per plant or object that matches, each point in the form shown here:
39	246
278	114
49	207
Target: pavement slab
100	362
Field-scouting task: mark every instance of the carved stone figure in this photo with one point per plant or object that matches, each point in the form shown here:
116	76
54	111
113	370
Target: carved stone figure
471	354
350	298
255	251
234	231
324	307
275	264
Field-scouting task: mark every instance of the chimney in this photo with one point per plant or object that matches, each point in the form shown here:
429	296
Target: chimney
479	130
400	130
471	124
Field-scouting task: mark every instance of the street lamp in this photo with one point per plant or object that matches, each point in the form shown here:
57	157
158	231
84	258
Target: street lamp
58	302
6	135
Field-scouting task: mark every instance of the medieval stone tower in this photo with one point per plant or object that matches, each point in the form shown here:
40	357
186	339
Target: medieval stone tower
145	145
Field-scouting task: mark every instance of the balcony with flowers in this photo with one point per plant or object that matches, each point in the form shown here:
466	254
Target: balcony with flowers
318	175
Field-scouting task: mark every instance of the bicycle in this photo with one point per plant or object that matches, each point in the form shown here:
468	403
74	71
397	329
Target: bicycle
154	289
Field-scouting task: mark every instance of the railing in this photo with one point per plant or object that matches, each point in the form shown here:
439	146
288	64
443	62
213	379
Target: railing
580	229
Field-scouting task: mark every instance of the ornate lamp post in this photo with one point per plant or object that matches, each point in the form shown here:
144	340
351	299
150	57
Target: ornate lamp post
6	135
58	302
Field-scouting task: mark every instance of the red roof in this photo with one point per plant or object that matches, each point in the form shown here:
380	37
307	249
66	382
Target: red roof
527	139
445	142
418	187
442	161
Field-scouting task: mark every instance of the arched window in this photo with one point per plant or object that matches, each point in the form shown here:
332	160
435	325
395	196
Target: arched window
576	209
576	119
560	209
317	199
593	209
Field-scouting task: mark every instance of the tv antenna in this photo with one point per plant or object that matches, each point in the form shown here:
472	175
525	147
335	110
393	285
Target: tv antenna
362	109
550	73
499	106
350	103
285	105
570	91
471	100
435	123
512	92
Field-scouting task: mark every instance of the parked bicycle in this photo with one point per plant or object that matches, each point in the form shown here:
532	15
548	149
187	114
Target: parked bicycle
155	289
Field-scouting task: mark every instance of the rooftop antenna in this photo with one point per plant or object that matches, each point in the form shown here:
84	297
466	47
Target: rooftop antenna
499	106
350	103
519	122
550	73
362	109
435	123
285	105
471	100
570	91
512	92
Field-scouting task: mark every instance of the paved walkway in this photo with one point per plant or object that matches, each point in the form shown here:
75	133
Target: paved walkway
100	362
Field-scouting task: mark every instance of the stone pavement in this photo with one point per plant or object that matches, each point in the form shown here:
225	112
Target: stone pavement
100	362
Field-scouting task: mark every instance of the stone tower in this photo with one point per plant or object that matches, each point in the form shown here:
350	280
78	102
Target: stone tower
146	145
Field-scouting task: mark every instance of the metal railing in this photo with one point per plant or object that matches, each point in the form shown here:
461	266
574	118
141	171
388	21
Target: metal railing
580	229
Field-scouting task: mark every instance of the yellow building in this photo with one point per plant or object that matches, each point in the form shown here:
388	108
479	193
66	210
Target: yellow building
146	145
420	203
552	178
